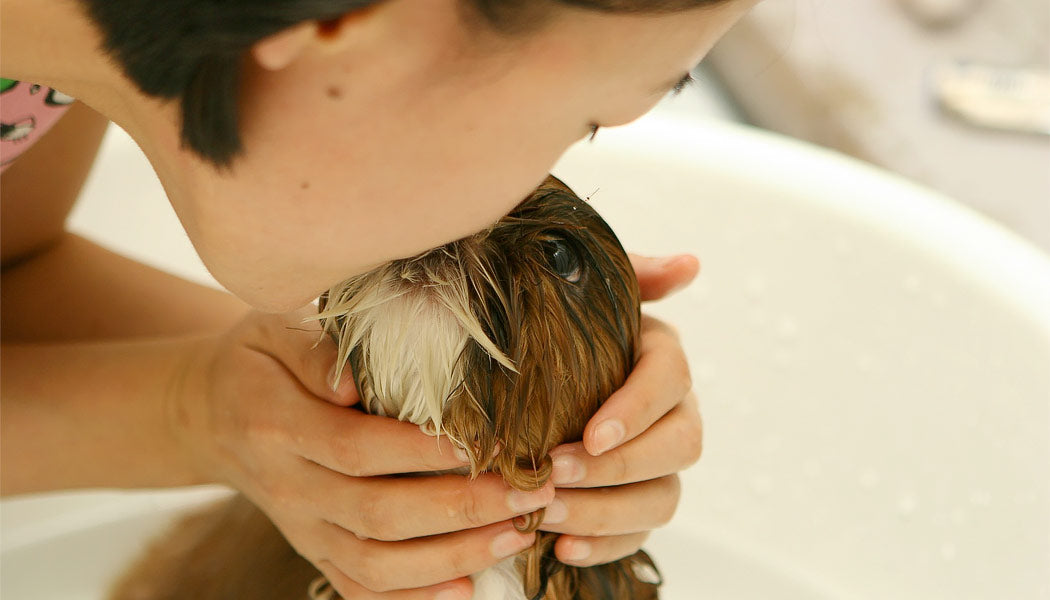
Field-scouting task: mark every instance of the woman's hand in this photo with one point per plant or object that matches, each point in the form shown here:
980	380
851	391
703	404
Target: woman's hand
256	408
635	445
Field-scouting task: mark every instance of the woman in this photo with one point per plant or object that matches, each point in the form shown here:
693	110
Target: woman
301	142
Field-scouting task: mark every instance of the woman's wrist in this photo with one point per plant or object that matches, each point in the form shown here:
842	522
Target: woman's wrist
187	413
93	415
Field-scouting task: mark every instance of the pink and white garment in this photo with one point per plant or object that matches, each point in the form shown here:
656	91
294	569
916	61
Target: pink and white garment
27	111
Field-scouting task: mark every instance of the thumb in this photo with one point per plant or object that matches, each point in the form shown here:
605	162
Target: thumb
660	276
296	341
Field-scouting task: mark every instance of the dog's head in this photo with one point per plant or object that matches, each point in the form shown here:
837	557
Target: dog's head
507	341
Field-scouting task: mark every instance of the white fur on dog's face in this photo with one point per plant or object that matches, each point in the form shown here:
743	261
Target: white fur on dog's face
411	322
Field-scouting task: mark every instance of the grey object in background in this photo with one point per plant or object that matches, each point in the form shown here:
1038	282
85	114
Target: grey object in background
1010	99
936	14
855	76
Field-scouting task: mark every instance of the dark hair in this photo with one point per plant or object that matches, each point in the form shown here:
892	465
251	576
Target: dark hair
193	49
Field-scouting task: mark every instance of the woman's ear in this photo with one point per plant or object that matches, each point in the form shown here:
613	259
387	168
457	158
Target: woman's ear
279	50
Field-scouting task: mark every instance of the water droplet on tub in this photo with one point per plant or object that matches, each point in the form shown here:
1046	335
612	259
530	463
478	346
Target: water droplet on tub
762	484
980	497
757	317
866	363
784	357
756	286
745	407
912	283
1026	498
869	478
811	468
771	444
699	292
906	504
705	373
787	327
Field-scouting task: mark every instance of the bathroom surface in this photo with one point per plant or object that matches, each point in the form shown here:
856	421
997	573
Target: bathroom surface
875	392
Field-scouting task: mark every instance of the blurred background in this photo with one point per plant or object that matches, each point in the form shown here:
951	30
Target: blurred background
952	94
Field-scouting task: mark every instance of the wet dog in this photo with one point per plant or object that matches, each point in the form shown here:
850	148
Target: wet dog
507	342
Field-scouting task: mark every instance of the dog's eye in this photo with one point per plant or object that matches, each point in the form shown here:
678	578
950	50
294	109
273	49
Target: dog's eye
563	261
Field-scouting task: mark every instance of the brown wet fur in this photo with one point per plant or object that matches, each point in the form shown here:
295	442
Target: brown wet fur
230	550
573	345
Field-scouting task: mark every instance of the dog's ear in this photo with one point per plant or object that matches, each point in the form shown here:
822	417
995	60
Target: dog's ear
468	416
506	417
476	406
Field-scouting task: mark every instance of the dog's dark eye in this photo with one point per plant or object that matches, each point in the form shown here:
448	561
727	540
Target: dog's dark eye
563	261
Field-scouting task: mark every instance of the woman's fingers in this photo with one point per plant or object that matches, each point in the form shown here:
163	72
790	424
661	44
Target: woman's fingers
659	277
677	439
386	566
348	589
296	342
614	511
659	381
582	551
351	442
393	509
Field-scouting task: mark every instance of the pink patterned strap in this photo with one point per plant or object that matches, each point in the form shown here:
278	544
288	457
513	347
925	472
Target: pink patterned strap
27	111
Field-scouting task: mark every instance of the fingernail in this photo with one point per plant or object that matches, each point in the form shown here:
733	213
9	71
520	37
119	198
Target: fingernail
578	550
608	434
332	381
455	593
667	261
460	454
509	543
556	513
567	469
523	502
345	379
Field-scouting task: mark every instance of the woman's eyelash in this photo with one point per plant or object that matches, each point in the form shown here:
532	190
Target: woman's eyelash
676	89
682	83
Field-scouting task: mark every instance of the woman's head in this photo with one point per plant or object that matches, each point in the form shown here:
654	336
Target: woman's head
357	132
192	49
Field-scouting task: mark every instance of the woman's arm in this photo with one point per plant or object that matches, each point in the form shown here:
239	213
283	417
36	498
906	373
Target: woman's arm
77	290
86	413
91	415
57	286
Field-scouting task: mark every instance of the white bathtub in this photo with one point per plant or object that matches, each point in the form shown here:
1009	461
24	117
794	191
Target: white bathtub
873	362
